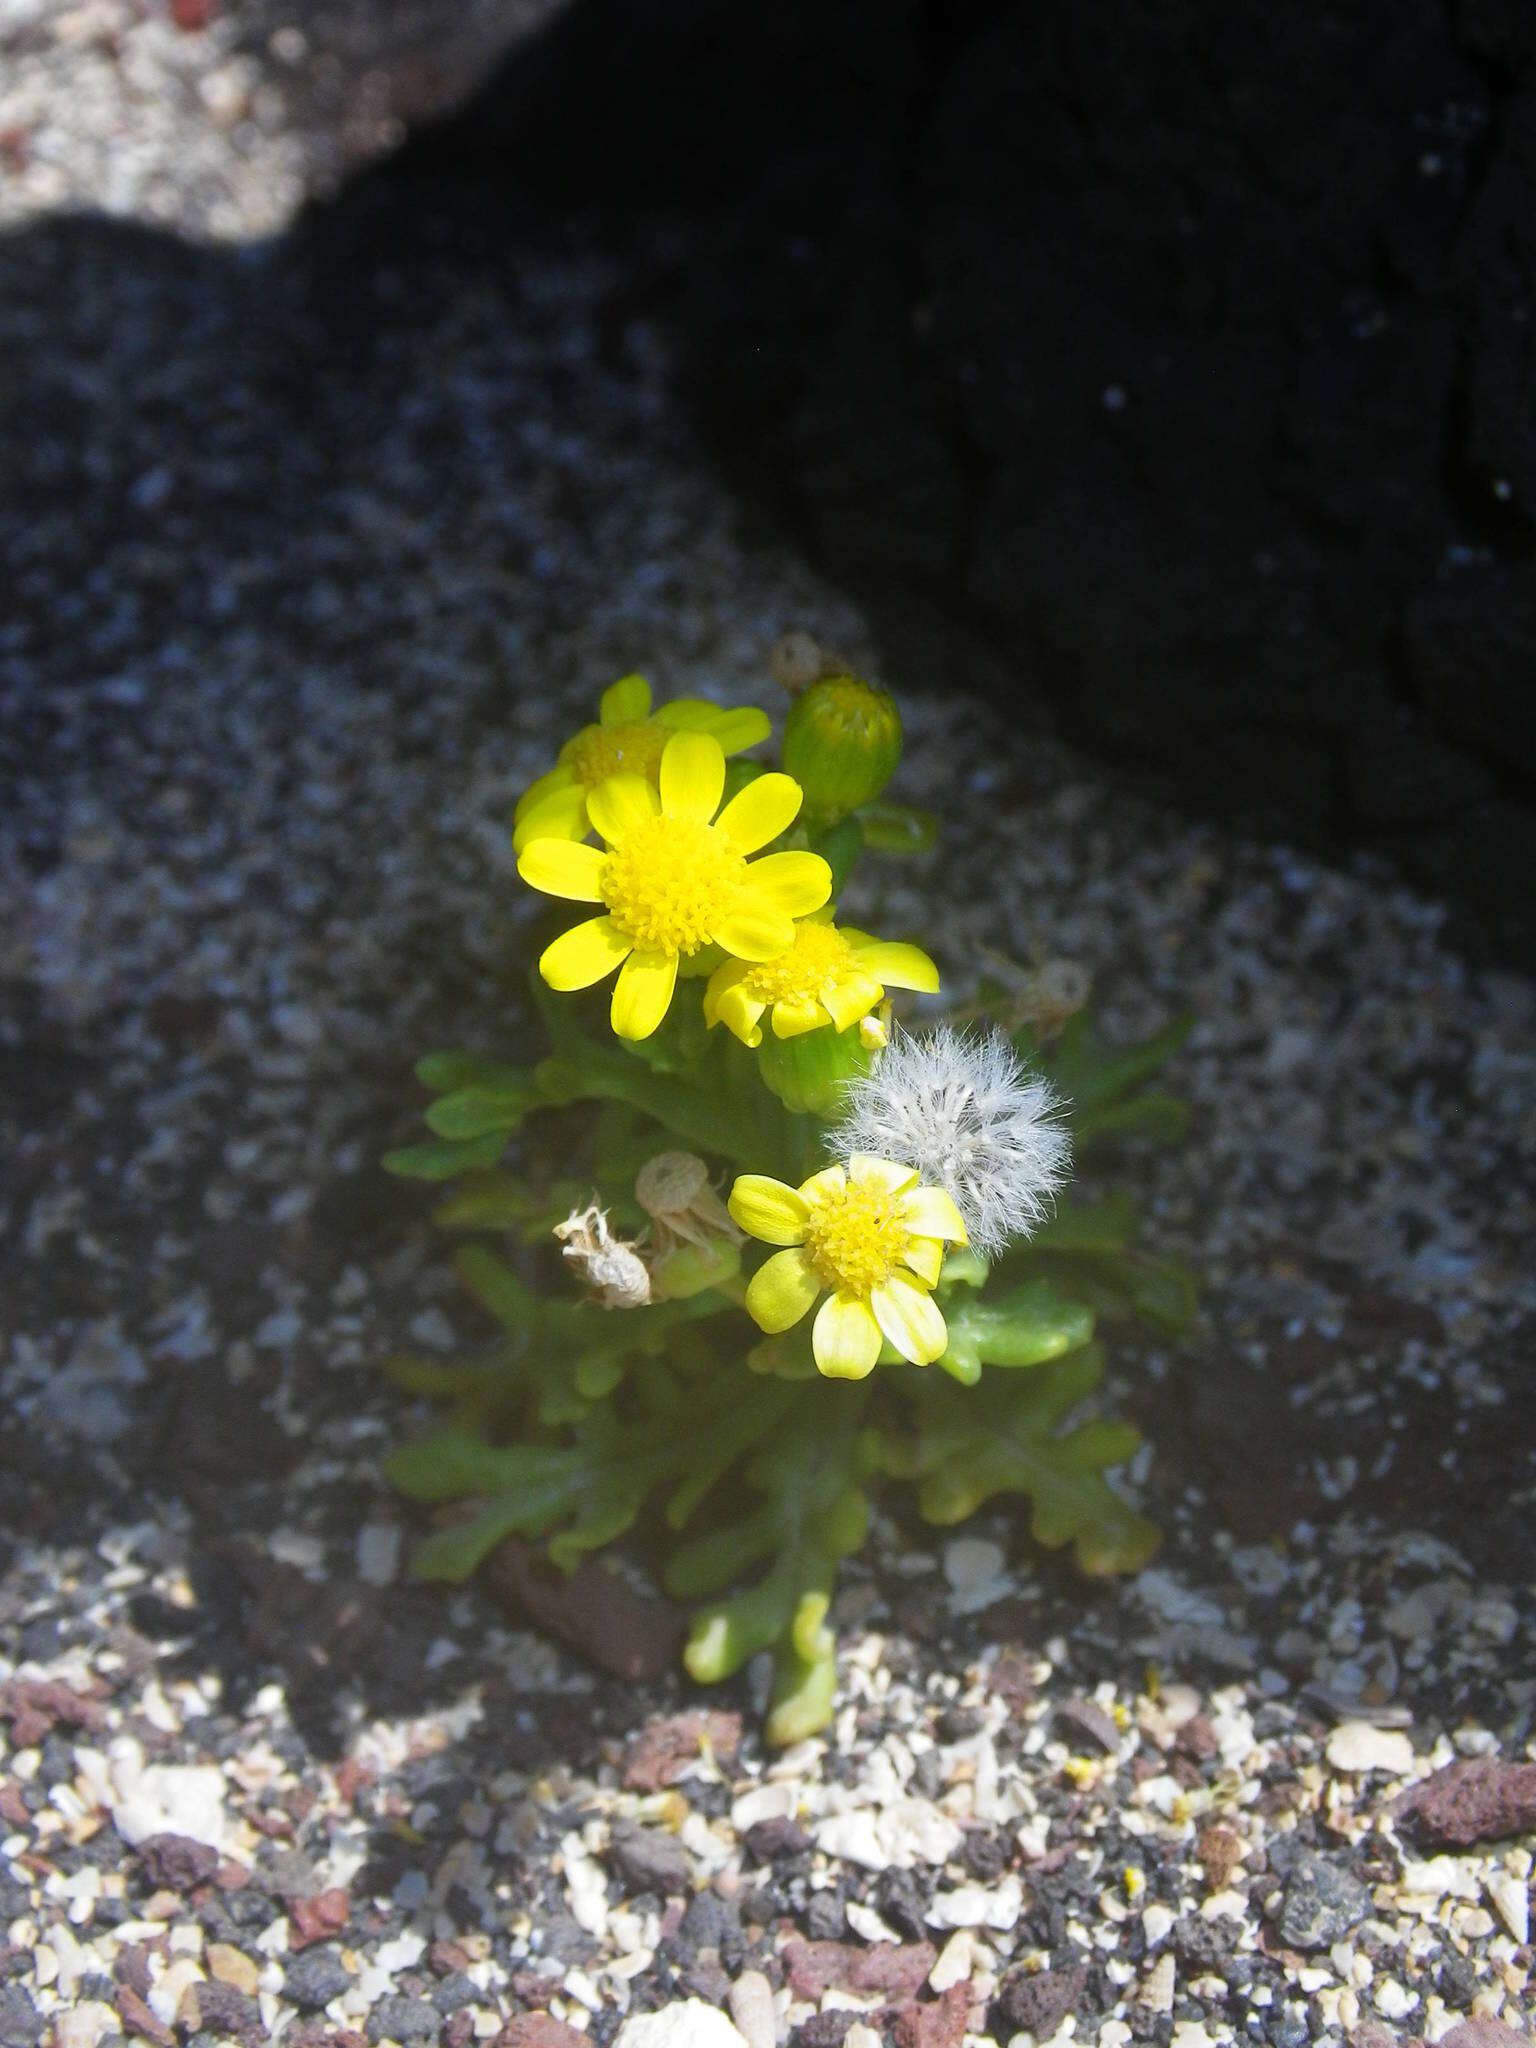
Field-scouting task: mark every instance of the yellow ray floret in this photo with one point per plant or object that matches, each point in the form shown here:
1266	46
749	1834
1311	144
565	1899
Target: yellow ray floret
826	976
627	740
674	878
869	1238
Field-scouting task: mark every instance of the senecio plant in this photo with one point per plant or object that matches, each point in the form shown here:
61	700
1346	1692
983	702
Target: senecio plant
807	1256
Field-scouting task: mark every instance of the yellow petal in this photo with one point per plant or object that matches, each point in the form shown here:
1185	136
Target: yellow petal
845	1338
584	954
626	701
561	868
543	786
851	997
761	811
911	1318
886	1173
897	965
738	1011
792	883
781	1290
766	1208
925	1255
754	933
741	727
642	992
830	1181
619	804
692	776
929	1212
559	814
794	1016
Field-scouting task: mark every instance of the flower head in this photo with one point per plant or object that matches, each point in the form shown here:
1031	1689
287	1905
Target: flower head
628	739
974	1121
824	976
674	879
611	1266
872	1240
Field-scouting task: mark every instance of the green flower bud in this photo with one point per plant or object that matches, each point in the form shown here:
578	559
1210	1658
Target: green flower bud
842	741
809	1073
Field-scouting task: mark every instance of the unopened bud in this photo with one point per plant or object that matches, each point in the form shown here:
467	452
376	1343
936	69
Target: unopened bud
842	741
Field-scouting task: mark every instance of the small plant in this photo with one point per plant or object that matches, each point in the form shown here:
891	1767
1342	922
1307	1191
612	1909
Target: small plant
809	1258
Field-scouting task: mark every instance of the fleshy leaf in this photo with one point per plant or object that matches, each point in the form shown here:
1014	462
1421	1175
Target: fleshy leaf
444	1158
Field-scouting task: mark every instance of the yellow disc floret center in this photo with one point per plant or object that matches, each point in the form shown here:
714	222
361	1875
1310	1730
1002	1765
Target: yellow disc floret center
818	956
633	748
854	1235
670	882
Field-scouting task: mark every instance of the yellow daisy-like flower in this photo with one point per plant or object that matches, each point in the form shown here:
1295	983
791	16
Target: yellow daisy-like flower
869	1238
825	976
672	881
627	740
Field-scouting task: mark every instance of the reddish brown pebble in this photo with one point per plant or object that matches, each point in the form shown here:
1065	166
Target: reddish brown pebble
138	2019
939	2025
317	1919
814	1967
192	15
1485	2033
1482	1799
666	1750
539	2030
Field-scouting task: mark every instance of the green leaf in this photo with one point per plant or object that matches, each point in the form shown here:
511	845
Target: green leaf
497	1288
449	1465
444	1072
1013	1446
1158	1118
1092	1073
488	1201
444	1159
1106	1226
452	1554
1026	1326
476	1112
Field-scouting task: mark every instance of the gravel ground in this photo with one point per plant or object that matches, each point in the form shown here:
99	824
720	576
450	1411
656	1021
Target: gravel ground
285	634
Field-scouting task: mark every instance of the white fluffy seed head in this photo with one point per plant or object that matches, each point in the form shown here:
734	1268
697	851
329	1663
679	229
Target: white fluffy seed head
962	1109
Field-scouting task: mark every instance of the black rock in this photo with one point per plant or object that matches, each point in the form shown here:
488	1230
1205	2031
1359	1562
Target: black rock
825	1918
824	2030
1036	2002
21	2024
648	1860
712	1922
314	1977
403	2019
901	1902
1321	1902
774	1841
176	1863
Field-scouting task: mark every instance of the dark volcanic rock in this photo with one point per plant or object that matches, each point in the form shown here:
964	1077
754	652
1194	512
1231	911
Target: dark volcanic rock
1322	1901
1170	368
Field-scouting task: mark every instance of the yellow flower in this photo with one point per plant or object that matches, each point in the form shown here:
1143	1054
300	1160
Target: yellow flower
825	976
672	881
627	739
869	1238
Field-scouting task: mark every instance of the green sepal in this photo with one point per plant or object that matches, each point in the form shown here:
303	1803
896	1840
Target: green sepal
898	828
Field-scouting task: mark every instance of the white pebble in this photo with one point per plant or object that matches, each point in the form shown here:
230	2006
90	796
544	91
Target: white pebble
1512	1901
956	1960
689	2024
378	1553
751	2003
1359	1746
